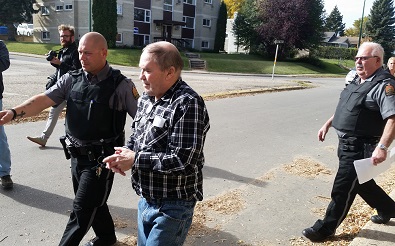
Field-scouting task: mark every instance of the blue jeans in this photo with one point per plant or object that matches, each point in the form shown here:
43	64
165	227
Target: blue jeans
164	221
5	155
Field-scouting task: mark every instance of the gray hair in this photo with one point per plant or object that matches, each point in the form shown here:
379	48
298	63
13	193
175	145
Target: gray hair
376	50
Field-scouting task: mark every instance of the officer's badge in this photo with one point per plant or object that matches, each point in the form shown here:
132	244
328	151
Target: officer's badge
135	93
389	90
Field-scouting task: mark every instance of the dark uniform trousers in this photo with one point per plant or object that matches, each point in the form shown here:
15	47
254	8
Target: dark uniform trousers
346	186
90	203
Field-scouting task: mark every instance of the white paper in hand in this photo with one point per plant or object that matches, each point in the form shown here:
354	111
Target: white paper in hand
367	171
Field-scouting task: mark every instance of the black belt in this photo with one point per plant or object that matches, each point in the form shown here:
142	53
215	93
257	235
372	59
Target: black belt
93	152
356	143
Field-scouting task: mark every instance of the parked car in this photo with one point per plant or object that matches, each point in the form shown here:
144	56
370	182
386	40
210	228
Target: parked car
25	29
351	75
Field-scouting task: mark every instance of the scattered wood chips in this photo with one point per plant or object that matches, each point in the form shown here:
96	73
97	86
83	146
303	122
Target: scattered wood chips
306	167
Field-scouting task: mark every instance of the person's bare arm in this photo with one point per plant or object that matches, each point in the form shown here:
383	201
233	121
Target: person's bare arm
324	129
30	107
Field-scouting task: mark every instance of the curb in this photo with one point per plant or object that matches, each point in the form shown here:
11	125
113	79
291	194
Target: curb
376	234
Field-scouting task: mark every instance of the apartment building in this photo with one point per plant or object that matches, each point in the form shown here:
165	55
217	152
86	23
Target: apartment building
185	23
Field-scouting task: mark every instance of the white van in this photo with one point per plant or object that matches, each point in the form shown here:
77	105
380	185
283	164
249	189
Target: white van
25	29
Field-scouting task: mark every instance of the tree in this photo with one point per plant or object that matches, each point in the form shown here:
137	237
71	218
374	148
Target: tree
233	6
104	15
15	11
299	23
220	33
334	22
354	30
245	26
380	27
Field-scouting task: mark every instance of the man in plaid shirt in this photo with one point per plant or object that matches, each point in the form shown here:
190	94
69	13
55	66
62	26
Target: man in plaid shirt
165	150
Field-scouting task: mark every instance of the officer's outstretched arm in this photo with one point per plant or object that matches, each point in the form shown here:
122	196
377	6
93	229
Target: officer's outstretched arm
30	107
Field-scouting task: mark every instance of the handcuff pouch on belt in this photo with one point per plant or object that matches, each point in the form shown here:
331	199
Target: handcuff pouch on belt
92	151
355	143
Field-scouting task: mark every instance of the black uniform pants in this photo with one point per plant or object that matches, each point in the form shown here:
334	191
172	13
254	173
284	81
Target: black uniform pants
90	203
346	187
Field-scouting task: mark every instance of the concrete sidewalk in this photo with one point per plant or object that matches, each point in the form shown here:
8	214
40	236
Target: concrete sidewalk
375	234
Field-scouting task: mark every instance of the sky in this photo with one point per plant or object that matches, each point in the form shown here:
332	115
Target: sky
350	9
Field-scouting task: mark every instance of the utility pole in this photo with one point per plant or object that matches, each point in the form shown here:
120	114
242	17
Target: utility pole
90	15
360	28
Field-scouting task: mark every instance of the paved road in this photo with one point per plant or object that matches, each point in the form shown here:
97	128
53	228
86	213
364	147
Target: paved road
250	142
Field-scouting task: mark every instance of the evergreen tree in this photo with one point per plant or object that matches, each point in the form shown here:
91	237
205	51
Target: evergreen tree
380	27
15	11
220	32
104	15
245	26
334	22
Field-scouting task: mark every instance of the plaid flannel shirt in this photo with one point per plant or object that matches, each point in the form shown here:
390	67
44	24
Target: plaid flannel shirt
168	138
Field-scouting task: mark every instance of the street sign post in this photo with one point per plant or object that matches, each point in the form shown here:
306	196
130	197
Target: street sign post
277	42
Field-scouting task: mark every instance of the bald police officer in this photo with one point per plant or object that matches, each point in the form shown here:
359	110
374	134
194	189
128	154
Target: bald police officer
98	98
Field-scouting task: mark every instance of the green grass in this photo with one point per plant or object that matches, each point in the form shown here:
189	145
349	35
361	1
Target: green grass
232	63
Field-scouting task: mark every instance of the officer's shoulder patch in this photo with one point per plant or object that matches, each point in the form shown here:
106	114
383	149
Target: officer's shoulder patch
389	90
135	93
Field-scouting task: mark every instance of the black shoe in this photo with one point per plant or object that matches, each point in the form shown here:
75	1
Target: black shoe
98	242
314	235
380	219
6	182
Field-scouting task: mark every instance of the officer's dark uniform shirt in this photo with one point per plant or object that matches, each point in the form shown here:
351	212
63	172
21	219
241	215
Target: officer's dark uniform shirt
126	91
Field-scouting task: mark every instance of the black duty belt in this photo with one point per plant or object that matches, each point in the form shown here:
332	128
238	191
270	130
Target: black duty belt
356	143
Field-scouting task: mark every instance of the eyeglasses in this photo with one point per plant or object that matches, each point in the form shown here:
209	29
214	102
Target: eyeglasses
65	36
363	58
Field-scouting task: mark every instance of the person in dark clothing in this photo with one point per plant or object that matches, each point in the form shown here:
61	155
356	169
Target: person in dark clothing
365	123
66	60
98	99
5	155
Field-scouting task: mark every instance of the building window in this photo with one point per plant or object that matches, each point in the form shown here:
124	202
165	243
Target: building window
192	2
59	7
141	40
44	10
119	9
143	15
205	45
119	38
189	22
45	36
207	22
146	39
68	7
208	1
168	5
